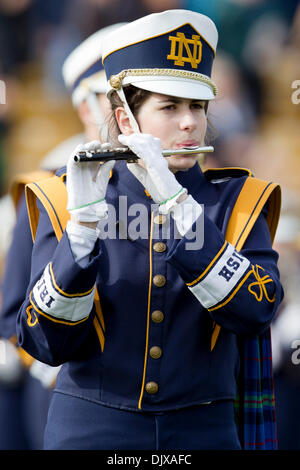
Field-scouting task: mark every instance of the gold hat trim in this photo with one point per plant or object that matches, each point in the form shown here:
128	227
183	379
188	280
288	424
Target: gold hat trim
116	80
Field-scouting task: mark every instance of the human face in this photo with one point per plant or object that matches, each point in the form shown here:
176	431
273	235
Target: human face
178	122
91	122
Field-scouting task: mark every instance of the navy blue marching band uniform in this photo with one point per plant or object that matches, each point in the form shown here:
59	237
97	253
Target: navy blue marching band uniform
149	347
148	330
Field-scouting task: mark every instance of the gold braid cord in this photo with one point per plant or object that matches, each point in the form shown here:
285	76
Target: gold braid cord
116	80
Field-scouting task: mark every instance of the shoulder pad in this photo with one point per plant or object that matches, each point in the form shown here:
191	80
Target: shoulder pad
18	185
215	175
61	172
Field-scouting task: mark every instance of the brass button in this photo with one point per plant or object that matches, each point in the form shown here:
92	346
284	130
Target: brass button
159	219
159	247
151	387
157	316
159	280
155	352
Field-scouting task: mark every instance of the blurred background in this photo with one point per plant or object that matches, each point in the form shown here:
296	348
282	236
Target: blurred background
255	121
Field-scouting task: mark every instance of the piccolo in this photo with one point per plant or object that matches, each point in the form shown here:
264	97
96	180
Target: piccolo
124	153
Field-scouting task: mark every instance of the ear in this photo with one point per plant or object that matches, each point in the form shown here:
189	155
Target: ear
123	121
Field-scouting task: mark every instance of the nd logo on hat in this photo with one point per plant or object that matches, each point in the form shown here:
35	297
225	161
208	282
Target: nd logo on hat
179	44
171	53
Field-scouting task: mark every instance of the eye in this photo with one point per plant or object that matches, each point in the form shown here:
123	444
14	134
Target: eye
168	107
198	105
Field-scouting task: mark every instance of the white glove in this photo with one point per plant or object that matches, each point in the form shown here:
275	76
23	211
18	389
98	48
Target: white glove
87	184
44	373
158	180
11	369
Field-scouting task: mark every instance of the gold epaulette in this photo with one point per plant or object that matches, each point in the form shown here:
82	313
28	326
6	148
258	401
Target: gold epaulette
254	195
53	195
18	185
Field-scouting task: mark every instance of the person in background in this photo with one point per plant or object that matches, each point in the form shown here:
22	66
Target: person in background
26	384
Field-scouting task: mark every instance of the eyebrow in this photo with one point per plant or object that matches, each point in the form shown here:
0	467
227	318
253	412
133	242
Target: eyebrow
166	100
176	100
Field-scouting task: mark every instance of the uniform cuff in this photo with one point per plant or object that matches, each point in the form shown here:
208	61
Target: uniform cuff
66	291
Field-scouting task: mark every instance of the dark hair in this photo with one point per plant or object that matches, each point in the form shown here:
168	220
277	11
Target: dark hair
135	98
211	131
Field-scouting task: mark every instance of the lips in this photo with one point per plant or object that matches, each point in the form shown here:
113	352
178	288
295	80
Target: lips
188	143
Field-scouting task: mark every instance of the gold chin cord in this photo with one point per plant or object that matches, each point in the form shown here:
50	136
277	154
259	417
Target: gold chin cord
126	154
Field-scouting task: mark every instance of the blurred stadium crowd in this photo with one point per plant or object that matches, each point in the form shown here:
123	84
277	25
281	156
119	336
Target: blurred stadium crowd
255	121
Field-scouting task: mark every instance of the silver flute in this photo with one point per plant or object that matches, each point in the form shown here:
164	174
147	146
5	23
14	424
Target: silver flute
124	153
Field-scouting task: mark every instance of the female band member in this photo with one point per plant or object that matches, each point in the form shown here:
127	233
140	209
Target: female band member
144	298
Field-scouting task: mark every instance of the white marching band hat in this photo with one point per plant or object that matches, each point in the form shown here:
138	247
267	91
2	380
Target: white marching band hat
83	70
170	53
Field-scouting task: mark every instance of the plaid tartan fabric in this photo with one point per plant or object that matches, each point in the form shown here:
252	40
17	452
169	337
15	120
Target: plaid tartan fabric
255	403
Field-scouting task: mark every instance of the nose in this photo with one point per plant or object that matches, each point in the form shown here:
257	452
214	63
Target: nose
187	120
